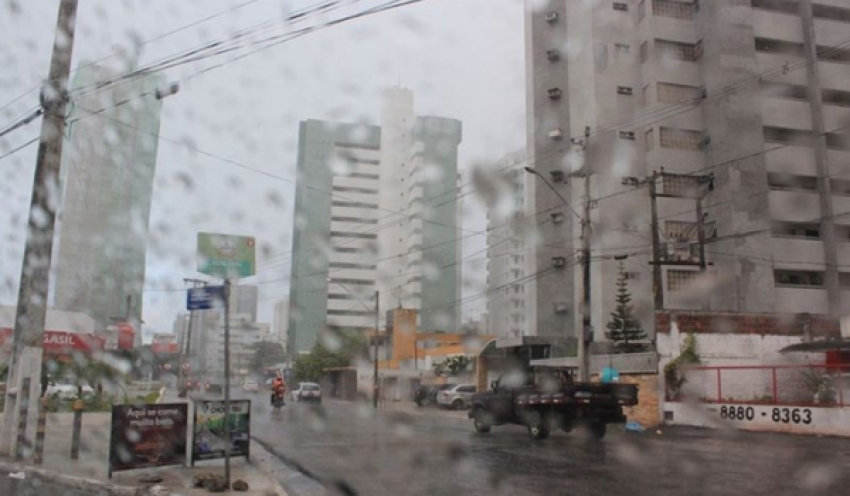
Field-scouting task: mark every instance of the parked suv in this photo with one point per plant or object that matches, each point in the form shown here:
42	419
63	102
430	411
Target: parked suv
427	395
457	397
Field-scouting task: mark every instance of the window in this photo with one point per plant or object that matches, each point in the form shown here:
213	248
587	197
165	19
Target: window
644	52
624	7
808	278
351	281
632	275
795	229
676	50
786	91
650	139
681	139
357	220
679	280
641	10
625	90
627	135
350	313
622	48
768	45
354	205
786	6
601	56
343	234
786	136
673	8
347	296
342	265
831	12
342	249
647	96
348	189
361	175
840	187
676	93
792	182
466	389
833	54
678	230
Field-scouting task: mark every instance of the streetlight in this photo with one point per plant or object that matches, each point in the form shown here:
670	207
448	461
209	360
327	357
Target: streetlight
374	338
583	341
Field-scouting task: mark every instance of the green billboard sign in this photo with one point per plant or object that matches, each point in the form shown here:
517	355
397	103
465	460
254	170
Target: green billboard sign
226	256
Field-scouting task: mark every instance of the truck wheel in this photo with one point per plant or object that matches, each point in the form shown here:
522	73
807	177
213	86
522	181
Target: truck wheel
480	420
597	429
537	427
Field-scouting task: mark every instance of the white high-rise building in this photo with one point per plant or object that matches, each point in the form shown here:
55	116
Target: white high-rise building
755	93
510	227
389	223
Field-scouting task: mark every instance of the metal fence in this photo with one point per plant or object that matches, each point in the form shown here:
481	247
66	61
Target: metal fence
797	385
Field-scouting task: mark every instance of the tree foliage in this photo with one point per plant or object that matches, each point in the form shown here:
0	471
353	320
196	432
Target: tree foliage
335	350
624	329
674	377
452	365
267	353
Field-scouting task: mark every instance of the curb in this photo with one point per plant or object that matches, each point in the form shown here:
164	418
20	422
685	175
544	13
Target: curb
78	483
293	479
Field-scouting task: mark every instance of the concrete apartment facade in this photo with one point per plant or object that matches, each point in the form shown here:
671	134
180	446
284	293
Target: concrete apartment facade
363	222
726	88
510	248
108	168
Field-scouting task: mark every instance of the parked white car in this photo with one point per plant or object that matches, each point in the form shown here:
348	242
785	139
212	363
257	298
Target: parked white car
457	397
68	391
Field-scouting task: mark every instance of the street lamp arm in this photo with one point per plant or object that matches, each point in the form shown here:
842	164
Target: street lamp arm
546	181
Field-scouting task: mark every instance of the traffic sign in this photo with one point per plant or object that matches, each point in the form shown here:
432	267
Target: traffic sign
226	256
205	297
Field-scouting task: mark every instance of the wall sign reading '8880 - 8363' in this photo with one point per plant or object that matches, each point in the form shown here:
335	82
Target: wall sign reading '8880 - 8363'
776	414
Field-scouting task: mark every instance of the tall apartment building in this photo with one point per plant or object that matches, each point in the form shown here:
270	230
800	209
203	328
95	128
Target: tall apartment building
364	222
510	248
108	169
754	93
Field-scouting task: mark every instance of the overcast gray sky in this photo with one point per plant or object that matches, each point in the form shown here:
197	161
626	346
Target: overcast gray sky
462	58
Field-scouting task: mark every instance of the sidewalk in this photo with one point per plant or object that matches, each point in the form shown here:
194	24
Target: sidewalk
90	471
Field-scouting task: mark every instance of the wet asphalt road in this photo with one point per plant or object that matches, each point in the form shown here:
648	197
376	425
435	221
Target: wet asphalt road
345	445
33	487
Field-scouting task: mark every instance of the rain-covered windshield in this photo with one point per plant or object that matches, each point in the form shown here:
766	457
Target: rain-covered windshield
425	246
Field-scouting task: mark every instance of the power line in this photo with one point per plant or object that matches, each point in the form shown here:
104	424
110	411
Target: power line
19	148
116	52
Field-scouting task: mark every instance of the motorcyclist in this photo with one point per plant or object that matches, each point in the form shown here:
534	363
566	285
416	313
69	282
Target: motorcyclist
278	390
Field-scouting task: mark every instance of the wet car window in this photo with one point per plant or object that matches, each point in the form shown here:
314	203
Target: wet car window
425	246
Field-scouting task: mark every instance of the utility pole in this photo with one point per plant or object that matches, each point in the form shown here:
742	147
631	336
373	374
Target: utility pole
375	343
682	186
227	435
657	275
186	345
33	291
586	232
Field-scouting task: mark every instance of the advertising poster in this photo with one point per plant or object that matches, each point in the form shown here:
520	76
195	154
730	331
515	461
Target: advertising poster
208	440
145	436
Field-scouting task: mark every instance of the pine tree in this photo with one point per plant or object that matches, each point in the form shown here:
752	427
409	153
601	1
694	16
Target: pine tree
624	329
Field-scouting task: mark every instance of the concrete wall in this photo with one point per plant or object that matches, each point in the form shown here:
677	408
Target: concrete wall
814	420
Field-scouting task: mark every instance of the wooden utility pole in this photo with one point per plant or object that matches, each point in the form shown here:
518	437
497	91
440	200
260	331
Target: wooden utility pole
586	336
692	187
35	272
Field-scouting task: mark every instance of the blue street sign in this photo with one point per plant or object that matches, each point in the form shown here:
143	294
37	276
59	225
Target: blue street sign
205	298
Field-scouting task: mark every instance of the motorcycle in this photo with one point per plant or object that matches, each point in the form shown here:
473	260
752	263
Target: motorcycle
278	399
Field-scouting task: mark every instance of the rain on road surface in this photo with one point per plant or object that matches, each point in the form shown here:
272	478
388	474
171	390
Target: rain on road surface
433	453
